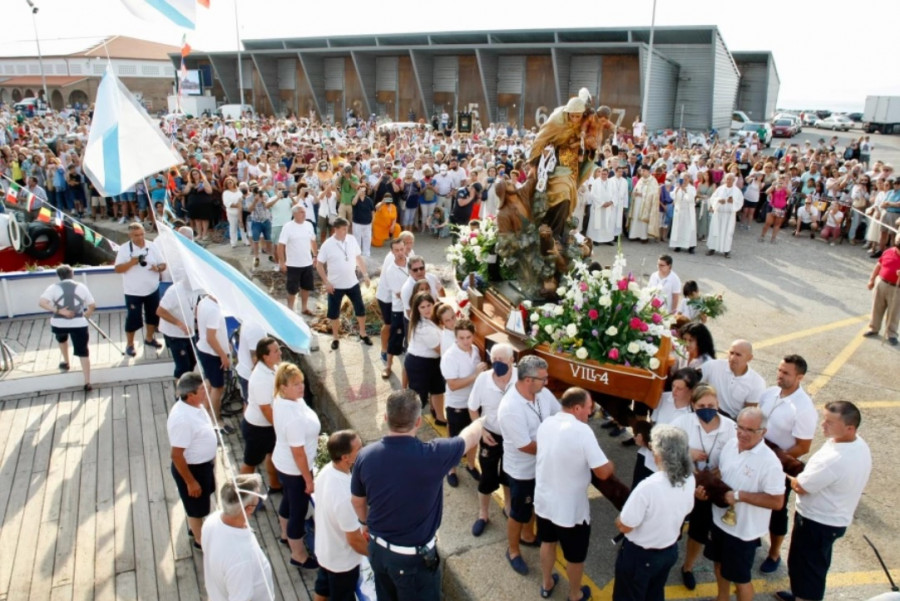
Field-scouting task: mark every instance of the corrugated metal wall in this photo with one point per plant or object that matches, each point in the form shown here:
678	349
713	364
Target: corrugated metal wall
423	66
725	87
695	82
334	73
773	85
751	96
488	66
510	74
661	109
287	73
386	68
446	71
247	73
584	72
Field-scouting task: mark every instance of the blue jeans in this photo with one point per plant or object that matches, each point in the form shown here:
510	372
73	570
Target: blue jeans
403	577
641	573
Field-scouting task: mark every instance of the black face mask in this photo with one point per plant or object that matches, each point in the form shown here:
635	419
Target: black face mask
501	368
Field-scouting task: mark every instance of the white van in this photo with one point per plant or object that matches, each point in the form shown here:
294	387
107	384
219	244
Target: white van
236	111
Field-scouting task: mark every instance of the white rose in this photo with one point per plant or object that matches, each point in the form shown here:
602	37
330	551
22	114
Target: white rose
654	363
582	353
571	330
548	328
633	286
605	301
559	310
526	304
561	291
535	317
633	347
606	273
612	331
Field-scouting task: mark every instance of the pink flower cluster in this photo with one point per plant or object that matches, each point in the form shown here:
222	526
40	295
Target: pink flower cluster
637	323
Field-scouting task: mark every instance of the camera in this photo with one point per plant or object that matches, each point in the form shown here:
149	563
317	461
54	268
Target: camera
142	260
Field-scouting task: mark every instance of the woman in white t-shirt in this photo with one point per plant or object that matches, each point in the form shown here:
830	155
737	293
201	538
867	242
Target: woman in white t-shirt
708	432
423	356
460	366
297	430
234	206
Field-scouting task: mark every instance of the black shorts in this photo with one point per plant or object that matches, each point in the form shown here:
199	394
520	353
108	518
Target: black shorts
205	474
386	310
778	521
135	305
397	334
457	420
750	205
810	556
212	369
806	226
355	296
424	376
573	541
700	521
337	586
259	441
491	460
521	493
182	354
735	555
299	278
80	337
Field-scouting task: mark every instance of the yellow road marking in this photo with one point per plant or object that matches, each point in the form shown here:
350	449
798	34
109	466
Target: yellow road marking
837	363
809	332
871	404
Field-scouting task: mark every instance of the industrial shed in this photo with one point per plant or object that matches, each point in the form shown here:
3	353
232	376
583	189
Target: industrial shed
512	76
758	89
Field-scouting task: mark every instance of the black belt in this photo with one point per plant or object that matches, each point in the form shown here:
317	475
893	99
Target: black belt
888	283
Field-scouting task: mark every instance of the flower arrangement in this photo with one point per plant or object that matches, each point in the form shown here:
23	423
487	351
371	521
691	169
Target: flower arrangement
475	250
711	305
604	315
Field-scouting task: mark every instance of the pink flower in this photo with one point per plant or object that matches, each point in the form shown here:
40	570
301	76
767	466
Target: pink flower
635	323
644	327
657	318
613	354
622	284
463	241
583	286
593	313
656	303
473	234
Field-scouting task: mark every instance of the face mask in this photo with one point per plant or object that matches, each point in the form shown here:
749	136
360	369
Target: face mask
707	414
500	368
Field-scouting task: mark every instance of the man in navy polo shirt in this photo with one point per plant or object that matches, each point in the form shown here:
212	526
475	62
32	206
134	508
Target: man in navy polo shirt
397	492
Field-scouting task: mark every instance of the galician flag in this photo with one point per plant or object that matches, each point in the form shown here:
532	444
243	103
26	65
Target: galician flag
182	13
124	144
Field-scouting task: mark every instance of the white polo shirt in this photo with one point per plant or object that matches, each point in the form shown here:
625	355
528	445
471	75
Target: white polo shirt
339	258
234	566
789	418
424	340
334	518
656	510
711	442
260	391
519	420
190	429
251	333
456	363
567	452
754	470
406	292
296	425
392	281
669	286
665	413
181	302
733	392
297	239
383	294
486	395
210	317
834	479
138	280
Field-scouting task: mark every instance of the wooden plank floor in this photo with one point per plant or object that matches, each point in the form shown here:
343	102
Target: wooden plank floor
37	351
88	506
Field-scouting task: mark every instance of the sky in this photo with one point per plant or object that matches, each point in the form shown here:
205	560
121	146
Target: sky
827	55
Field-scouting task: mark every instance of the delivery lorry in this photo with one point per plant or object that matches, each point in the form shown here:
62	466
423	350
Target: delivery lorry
882	115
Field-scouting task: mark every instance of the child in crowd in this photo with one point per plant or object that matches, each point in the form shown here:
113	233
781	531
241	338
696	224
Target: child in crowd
437	224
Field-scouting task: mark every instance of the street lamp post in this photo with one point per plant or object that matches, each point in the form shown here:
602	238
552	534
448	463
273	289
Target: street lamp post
34	11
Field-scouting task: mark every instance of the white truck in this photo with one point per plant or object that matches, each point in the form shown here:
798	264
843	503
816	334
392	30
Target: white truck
882	115
192	105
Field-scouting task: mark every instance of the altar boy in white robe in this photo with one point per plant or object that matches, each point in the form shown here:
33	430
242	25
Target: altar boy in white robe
724	204
603	208
684	221
621	195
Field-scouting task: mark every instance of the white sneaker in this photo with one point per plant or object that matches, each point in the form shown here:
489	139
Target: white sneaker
122	220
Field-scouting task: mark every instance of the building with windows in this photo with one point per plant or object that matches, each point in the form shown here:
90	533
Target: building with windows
510	76
73	69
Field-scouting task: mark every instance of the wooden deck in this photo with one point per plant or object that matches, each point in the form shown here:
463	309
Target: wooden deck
37	352
88	506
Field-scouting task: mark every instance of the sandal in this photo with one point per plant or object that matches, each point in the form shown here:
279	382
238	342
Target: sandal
308	312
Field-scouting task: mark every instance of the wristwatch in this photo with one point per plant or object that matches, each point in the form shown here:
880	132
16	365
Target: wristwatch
737	496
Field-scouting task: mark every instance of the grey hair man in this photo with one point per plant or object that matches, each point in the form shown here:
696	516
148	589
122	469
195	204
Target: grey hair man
71	305
234	565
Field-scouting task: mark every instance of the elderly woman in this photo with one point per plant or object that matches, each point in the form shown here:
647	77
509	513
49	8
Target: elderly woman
296	443
193	441
652	517
708	432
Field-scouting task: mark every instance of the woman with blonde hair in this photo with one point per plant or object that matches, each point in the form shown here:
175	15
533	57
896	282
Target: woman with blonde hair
297	430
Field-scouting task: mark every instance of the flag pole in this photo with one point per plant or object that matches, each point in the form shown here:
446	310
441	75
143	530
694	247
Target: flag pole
237	38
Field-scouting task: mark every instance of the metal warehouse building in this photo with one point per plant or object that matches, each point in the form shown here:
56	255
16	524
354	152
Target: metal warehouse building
511	75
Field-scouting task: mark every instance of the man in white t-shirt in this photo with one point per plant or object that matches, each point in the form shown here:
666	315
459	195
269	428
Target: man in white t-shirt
567	453
737	384
72	305
667	281
791	417
140	264
234	565
391	282
213	353
828	492
807	218
176	312
417	273
296	253
341	542
338	260
521	412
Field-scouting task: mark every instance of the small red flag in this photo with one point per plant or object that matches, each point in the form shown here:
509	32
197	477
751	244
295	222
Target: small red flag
12	194
44	215
203	3
76	227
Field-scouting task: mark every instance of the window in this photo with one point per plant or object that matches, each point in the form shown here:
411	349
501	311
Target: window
127	70
150	70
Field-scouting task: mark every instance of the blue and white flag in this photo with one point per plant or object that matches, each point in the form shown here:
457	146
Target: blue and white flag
239	297
182	13
125	144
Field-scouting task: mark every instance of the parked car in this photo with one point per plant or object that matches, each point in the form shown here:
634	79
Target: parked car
810	118
795	119
30	104
763	130
738	118
783	128
855	117
835	123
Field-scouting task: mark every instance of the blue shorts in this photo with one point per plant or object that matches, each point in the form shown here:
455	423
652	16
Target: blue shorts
143	202
182	353
521	493
263	229
355	296
134	305
212	369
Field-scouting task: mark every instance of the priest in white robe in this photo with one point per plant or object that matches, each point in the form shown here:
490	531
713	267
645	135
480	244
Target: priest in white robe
621	195
603	210
684	219
644	218
724	204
